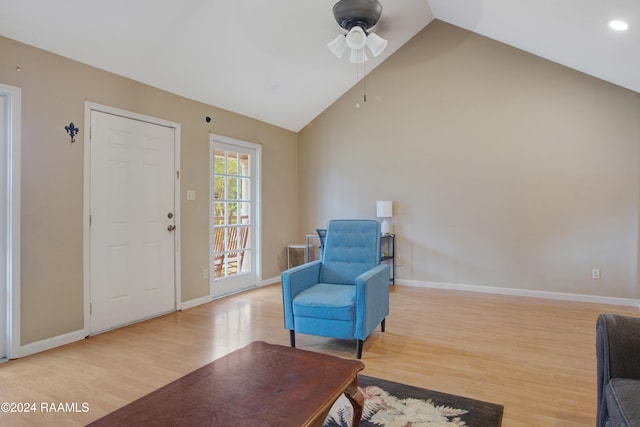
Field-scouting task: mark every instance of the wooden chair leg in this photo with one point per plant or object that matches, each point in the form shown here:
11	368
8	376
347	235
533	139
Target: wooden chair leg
292	338
359	344
383	324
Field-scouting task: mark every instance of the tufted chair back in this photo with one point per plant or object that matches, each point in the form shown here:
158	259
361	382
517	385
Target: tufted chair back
351	248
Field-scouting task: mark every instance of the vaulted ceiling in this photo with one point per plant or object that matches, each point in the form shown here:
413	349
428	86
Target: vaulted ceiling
269	60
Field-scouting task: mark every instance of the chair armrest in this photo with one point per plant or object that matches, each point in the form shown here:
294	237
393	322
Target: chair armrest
617	353
294	281
620	339
372	299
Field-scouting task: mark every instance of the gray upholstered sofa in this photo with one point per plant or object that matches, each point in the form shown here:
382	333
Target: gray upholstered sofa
618	357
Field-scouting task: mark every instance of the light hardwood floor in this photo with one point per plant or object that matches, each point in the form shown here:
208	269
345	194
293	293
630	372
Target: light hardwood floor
534	356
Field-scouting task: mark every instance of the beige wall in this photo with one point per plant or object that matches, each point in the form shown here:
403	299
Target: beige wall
505	169
54	91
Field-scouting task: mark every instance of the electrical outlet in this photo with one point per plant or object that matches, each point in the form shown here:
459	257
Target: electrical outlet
595	273
205	273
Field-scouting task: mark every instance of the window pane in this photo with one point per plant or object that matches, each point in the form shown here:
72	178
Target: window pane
219	166
225	266
232	188
245	261
243	211
244	165
232	213
217	269
218	213
244	192
218	187
232	167
243	238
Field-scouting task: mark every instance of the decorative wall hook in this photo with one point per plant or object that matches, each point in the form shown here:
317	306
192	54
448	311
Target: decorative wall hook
72	130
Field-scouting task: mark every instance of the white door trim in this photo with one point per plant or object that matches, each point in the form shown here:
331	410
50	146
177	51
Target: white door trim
88	108
257	227
12	250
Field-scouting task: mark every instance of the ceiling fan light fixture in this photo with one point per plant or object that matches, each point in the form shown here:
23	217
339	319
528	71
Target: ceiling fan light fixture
376	44
356	38
358	56
338	46
363	13
357	17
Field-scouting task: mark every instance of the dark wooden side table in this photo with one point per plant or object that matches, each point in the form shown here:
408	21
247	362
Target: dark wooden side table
259	385
388	248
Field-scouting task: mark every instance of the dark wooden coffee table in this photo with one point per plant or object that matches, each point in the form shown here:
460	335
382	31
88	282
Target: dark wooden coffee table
259	385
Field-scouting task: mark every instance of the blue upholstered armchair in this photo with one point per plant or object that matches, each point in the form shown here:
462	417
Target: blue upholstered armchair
345	294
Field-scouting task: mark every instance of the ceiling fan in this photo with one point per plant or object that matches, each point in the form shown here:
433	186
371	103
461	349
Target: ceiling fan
357	17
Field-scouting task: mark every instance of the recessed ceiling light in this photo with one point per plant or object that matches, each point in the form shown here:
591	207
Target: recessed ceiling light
618	25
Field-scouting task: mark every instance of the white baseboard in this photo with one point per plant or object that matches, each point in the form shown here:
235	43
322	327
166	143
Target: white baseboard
596	299
196	302
203	300
49	343
270	281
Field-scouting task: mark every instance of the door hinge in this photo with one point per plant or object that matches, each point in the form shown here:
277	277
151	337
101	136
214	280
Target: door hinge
90	308
177	174
89	220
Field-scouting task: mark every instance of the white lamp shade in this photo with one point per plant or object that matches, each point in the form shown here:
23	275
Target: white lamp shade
338	46
358	56
356	38
384	208
376	44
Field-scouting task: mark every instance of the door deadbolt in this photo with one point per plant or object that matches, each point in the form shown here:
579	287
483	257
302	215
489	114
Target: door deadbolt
170	215
171	227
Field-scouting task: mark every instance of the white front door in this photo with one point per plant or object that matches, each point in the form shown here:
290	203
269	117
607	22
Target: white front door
132	215
234	215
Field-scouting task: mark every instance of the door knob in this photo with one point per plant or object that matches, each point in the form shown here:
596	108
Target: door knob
171	227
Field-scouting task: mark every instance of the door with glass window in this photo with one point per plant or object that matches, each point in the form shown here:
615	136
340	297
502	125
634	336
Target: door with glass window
233	216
